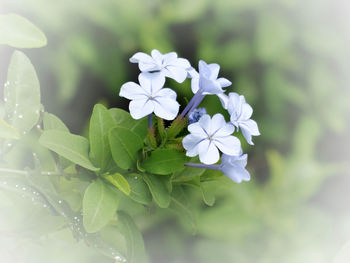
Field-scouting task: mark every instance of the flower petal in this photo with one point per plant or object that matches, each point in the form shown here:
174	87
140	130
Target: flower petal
195	85
217	122
214	71
131	91
223	99
205	123
204	69
234	104
145	80
156	55
140	108
169	58
224	82
208	153
210	86
229	145
249	128
190	143
157	82
182	63
166	108
236	173
246	112
196	129
146	62
176	73
141	57
226	130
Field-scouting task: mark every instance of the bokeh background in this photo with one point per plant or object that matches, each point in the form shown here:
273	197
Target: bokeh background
289	58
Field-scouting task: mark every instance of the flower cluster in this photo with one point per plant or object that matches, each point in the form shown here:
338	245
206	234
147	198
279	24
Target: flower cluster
208	136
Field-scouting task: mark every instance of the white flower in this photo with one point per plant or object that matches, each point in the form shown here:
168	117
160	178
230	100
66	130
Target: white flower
240	112
207	135
234	167
168	64
150	96
207	79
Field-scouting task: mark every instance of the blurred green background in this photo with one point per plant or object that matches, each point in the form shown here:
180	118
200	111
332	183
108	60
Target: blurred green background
289	58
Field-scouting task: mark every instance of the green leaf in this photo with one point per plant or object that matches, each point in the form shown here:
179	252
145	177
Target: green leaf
99	206
72	147
165	161
124	146
101	123
18	32
135	245
181	206
52	122
22	93
139	189
124	119
118	181
7	131
208	193
159	188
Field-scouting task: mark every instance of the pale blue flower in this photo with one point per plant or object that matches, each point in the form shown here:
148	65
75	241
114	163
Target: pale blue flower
240	112
168	64
209	134
150	96
234	167
207	79
195	115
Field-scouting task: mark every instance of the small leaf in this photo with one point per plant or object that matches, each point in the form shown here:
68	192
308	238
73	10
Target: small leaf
118	181
101	123
159	189
124	146
7	131
22	93
208	193
124	119
52	122
72	147
181	206
18	32
165	161
135	245
99	206
139	189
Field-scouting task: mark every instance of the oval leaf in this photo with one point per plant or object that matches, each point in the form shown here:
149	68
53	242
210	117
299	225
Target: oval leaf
52	122
135	245
18	32
22	93
99	206
139	189
159	188
124	146
72	147
101	123
7	131
124	119
165	161
118	181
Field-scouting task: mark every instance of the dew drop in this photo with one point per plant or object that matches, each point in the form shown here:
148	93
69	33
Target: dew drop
60	201
24	188
20	116
16	185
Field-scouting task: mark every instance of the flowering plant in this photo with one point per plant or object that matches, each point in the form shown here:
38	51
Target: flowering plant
129	160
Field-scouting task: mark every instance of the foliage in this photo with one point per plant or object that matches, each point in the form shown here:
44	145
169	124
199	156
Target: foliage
289	57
